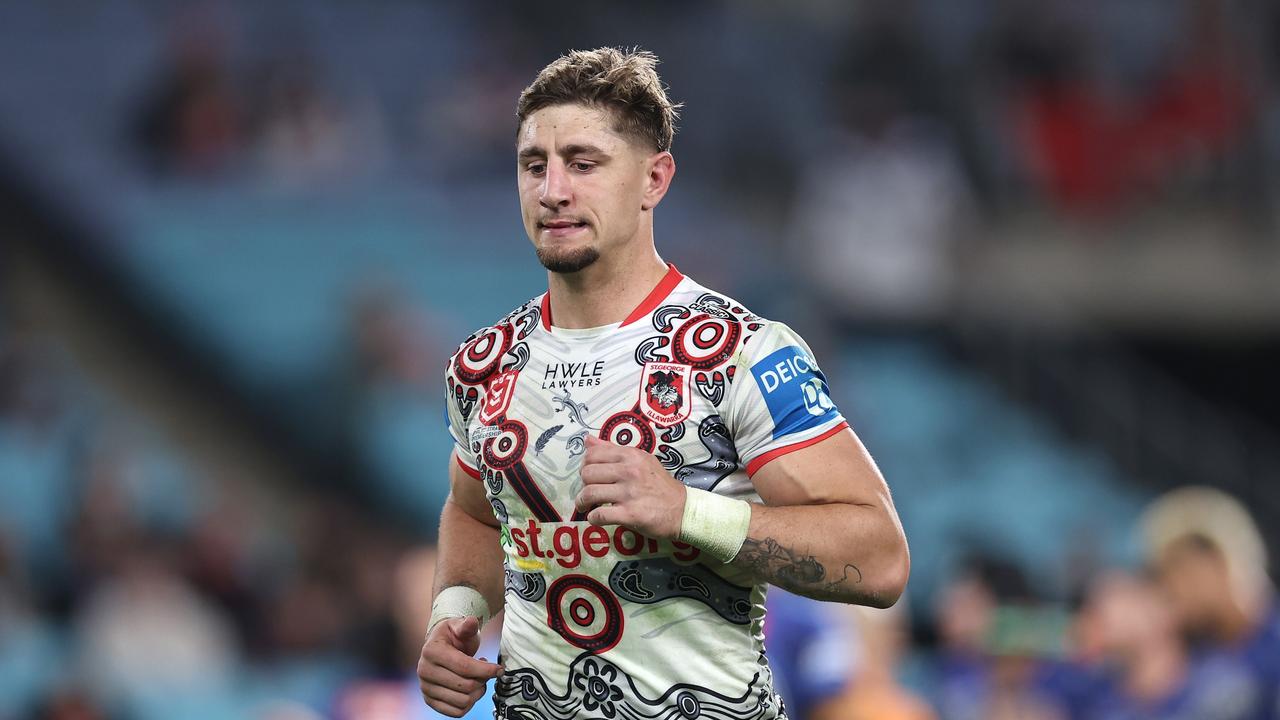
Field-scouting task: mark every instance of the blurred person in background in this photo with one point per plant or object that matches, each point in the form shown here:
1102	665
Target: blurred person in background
1212	563
1095	148
812	652
1001	644
1143	653
1024	669
880	211
146	634
192	119
304	134
962	610
395	694
71	703
876	693
390	394
574	425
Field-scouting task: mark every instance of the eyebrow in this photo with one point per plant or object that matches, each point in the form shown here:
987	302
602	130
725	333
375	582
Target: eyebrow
536	151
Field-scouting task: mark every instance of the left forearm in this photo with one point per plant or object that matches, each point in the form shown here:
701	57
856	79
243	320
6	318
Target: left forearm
841	552
830	530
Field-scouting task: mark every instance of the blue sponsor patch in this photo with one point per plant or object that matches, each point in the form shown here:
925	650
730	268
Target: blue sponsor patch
795	391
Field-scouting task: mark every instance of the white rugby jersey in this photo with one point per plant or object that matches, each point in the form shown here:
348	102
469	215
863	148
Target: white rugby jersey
603	621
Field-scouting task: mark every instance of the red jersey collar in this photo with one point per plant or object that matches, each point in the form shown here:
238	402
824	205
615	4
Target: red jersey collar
646	306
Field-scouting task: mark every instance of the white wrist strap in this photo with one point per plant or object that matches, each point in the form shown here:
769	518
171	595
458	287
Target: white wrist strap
458	601
714	523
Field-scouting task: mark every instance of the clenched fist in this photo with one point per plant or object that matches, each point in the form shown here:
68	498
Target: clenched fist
629	487
452	679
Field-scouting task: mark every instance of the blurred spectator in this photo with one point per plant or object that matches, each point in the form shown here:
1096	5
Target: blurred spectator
392	341
71	704
304	134
1143	651
465	128
1194	120
876	693
40	432
963	612
811	652
1212	562
878	215
1094	150
1001	648
393	395
287	710
396	694
147	633
222	549
191	121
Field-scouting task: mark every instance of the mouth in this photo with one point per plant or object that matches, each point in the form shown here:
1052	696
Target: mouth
561	227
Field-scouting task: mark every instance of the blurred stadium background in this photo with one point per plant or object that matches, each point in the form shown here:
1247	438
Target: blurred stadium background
1033	242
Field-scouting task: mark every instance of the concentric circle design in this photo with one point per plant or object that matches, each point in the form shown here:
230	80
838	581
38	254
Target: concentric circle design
688	705
585	613
481	357
628	429
507	448
582	612
705	342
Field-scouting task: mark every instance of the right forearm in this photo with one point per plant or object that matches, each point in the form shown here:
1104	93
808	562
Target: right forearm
469	554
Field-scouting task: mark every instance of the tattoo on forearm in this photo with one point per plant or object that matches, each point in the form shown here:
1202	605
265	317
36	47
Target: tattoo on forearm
792	570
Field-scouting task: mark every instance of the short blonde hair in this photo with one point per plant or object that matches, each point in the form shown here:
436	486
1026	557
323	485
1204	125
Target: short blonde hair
1197	513
623	81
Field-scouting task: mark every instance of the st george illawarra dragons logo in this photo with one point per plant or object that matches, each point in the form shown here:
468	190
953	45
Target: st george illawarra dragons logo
664	393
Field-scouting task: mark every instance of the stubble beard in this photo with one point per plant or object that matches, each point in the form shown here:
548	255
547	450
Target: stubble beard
567	260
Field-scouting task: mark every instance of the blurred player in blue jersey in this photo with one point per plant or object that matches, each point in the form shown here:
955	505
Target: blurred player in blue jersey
1211	561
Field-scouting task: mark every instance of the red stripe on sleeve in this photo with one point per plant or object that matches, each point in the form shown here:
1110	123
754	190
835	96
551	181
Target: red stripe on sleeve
776	453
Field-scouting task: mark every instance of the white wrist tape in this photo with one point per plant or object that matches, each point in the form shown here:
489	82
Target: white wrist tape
714	523
458	601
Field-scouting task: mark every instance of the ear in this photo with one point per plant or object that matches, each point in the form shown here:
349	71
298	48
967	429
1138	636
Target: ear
661	168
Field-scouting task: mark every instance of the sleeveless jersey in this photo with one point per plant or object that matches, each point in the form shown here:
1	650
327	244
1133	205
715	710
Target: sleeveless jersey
604	621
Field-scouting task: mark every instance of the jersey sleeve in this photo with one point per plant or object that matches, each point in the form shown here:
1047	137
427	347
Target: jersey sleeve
459	402
780	401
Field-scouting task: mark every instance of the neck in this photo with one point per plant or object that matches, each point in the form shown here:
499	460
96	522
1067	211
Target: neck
605	292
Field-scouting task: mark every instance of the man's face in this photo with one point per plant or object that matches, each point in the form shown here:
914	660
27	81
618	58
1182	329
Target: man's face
1129	613
582	184
1197	584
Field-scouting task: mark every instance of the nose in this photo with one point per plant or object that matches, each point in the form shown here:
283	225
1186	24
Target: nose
556	190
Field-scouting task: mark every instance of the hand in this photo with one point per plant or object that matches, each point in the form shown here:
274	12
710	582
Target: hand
452	679
627	486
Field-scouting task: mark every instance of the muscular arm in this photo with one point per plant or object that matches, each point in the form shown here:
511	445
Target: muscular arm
451	677
828	529
469	550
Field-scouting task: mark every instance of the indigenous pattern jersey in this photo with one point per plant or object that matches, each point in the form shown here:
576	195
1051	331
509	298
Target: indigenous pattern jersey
603	621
